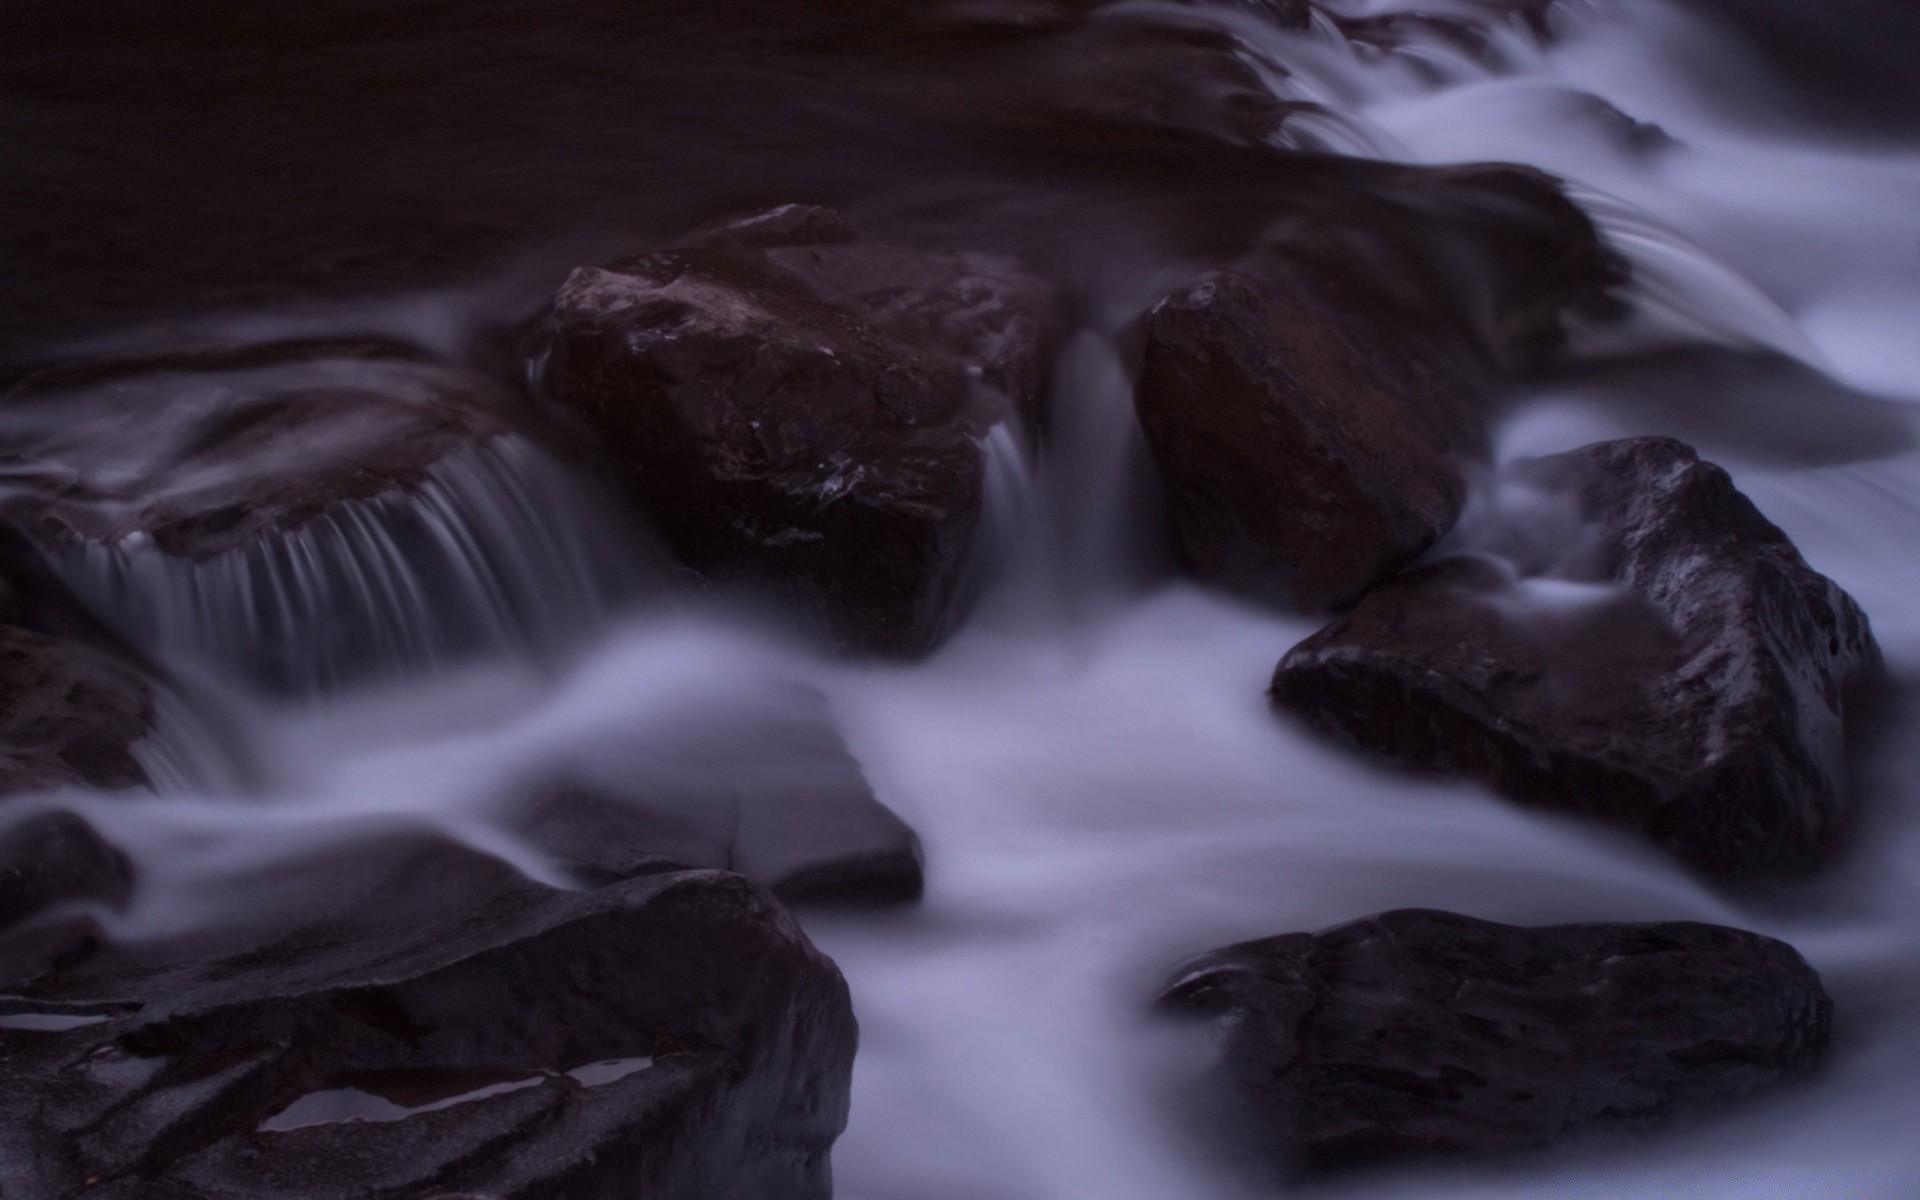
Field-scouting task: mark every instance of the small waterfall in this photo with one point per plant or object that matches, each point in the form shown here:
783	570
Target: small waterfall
497	550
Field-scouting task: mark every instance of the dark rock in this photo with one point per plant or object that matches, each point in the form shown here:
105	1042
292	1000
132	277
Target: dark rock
1311	407
1422	1032
54	857
202	449
796	404
761	784
69	715
1660	657
437	1025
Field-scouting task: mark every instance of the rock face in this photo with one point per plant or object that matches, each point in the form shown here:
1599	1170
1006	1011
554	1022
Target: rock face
1660	657
448	1027
1422	1032
797	405
1311	407
69	714
761	784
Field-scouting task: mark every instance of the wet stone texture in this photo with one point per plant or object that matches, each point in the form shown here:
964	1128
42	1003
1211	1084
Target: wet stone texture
1654	654
54	857
760	784
1311	407
69	714
1420	1033
800	406
407	1019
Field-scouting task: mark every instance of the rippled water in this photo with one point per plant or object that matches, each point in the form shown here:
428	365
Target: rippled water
1091	763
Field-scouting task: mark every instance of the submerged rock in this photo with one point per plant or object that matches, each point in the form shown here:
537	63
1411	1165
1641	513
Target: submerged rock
1421	1032
759	784
1659	657
55	857
798	405
1311	407
410	1020
301	512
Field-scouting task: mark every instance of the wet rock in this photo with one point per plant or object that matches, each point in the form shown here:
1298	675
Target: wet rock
299	512
411	1020
761	784
798	405
1311	407
69	714
1643	648
1421	1032
54	857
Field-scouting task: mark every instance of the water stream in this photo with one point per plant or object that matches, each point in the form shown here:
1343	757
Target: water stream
1090	762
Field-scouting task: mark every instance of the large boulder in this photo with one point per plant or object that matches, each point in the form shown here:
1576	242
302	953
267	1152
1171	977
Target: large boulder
1422	1032
1311	407
759	782
410	1020
300	512
799	405
1645	649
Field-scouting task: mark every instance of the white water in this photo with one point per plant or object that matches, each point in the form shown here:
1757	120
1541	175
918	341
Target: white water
1095	774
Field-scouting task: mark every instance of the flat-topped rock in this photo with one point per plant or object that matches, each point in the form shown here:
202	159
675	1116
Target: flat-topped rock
1312	406
411	1020
1645	649
802	407
301	513
1424	1033
756	782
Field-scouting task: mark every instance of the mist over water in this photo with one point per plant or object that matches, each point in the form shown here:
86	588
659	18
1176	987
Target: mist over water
1091	763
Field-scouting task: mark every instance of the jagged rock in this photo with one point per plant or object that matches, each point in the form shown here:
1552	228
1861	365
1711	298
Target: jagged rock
796	404
1423	1032
757	783
69	714
408	1020
1311	407
1659	657
54	857
301	513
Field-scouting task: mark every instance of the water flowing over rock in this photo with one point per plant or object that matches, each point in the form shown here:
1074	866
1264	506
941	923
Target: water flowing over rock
759	784
798	405
69	714
434	1023
1311	407
1647	650
303	513
1422	1032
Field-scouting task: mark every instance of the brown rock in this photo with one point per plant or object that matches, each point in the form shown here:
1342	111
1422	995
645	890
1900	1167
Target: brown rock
795	404
1311	407
51	858
1421	1032
1661	659
408	1019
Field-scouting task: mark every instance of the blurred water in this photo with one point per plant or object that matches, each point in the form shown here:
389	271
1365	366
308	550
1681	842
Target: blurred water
1092	765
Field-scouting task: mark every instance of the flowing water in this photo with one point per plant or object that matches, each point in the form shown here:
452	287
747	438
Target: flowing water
1091	763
